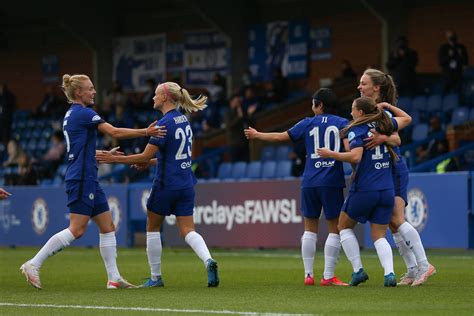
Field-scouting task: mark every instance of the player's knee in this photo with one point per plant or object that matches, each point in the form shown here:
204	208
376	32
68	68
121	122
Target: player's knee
184	231
78	231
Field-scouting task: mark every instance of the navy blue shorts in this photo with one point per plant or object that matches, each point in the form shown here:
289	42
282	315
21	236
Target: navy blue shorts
329	198
167	202
86	198
373	206
400	179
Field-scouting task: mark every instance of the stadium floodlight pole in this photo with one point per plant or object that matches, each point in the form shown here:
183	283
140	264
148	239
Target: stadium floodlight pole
384	31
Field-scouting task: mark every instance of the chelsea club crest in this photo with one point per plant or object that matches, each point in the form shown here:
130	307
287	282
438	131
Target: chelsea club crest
416	212
39	216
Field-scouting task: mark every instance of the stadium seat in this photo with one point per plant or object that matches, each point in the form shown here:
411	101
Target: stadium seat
471	115
269	169
254	170
239	170
404	103
450	102
267	153
419	103
433	103
283	169
282	152
460	115
420	132
224	171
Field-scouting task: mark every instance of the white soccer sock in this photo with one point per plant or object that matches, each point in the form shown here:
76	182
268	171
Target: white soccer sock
413	241
153	251
406	253
199	246
55	244
384	251
108	251
332	248
308	251
351	248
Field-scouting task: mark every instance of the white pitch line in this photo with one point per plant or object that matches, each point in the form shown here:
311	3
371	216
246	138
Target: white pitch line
148	309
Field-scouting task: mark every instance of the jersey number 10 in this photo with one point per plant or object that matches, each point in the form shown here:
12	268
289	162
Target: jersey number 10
327	139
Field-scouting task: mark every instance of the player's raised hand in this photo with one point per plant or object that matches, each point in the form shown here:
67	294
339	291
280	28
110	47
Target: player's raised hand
155	131
4	194
250	132
115	151
375	139
104	156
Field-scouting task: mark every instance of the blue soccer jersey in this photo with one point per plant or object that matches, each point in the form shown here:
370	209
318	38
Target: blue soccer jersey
173	170
80	133
396	148
374	171
318	132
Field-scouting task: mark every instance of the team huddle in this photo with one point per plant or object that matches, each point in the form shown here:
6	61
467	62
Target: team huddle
378	190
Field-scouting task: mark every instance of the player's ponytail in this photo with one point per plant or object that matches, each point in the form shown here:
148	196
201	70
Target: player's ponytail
181	97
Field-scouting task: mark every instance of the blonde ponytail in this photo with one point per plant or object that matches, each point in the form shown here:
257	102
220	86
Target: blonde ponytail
71	84
181	96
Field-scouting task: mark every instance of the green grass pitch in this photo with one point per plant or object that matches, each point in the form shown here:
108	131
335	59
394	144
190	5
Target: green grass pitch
252	282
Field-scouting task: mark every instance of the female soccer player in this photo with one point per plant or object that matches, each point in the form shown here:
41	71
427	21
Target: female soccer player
380	87
173	186
323	181
86	200
371	196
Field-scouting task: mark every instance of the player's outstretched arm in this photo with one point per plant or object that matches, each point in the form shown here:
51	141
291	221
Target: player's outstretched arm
125	133
108	157
4	194
402	117
252	133
353	156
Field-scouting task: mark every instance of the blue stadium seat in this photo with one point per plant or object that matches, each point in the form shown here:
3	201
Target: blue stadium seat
254	170
471	115
283	169
282	152
404	103
269	169
239	170
450	102
460	115
433	103
420	132
224	171
419	103
267	153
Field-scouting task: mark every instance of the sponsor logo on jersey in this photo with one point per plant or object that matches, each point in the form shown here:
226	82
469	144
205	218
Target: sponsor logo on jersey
114	206
382	165
416	212
39	216
186	164
324	164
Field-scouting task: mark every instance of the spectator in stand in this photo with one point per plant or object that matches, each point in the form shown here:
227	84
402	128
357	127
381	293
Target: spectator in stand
453	59
278	87
15	154
52	105
218	89
7	106
50	161
402	67
147	99
449	164
430	151
347	73
235	122
250	104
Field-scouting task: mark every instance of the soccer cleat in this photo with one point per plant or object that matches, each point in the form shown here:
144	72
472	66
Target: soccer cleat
31	273
332	281
309	280
212	275
406	279
358	277
150	283
422	275
389	280
119	284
